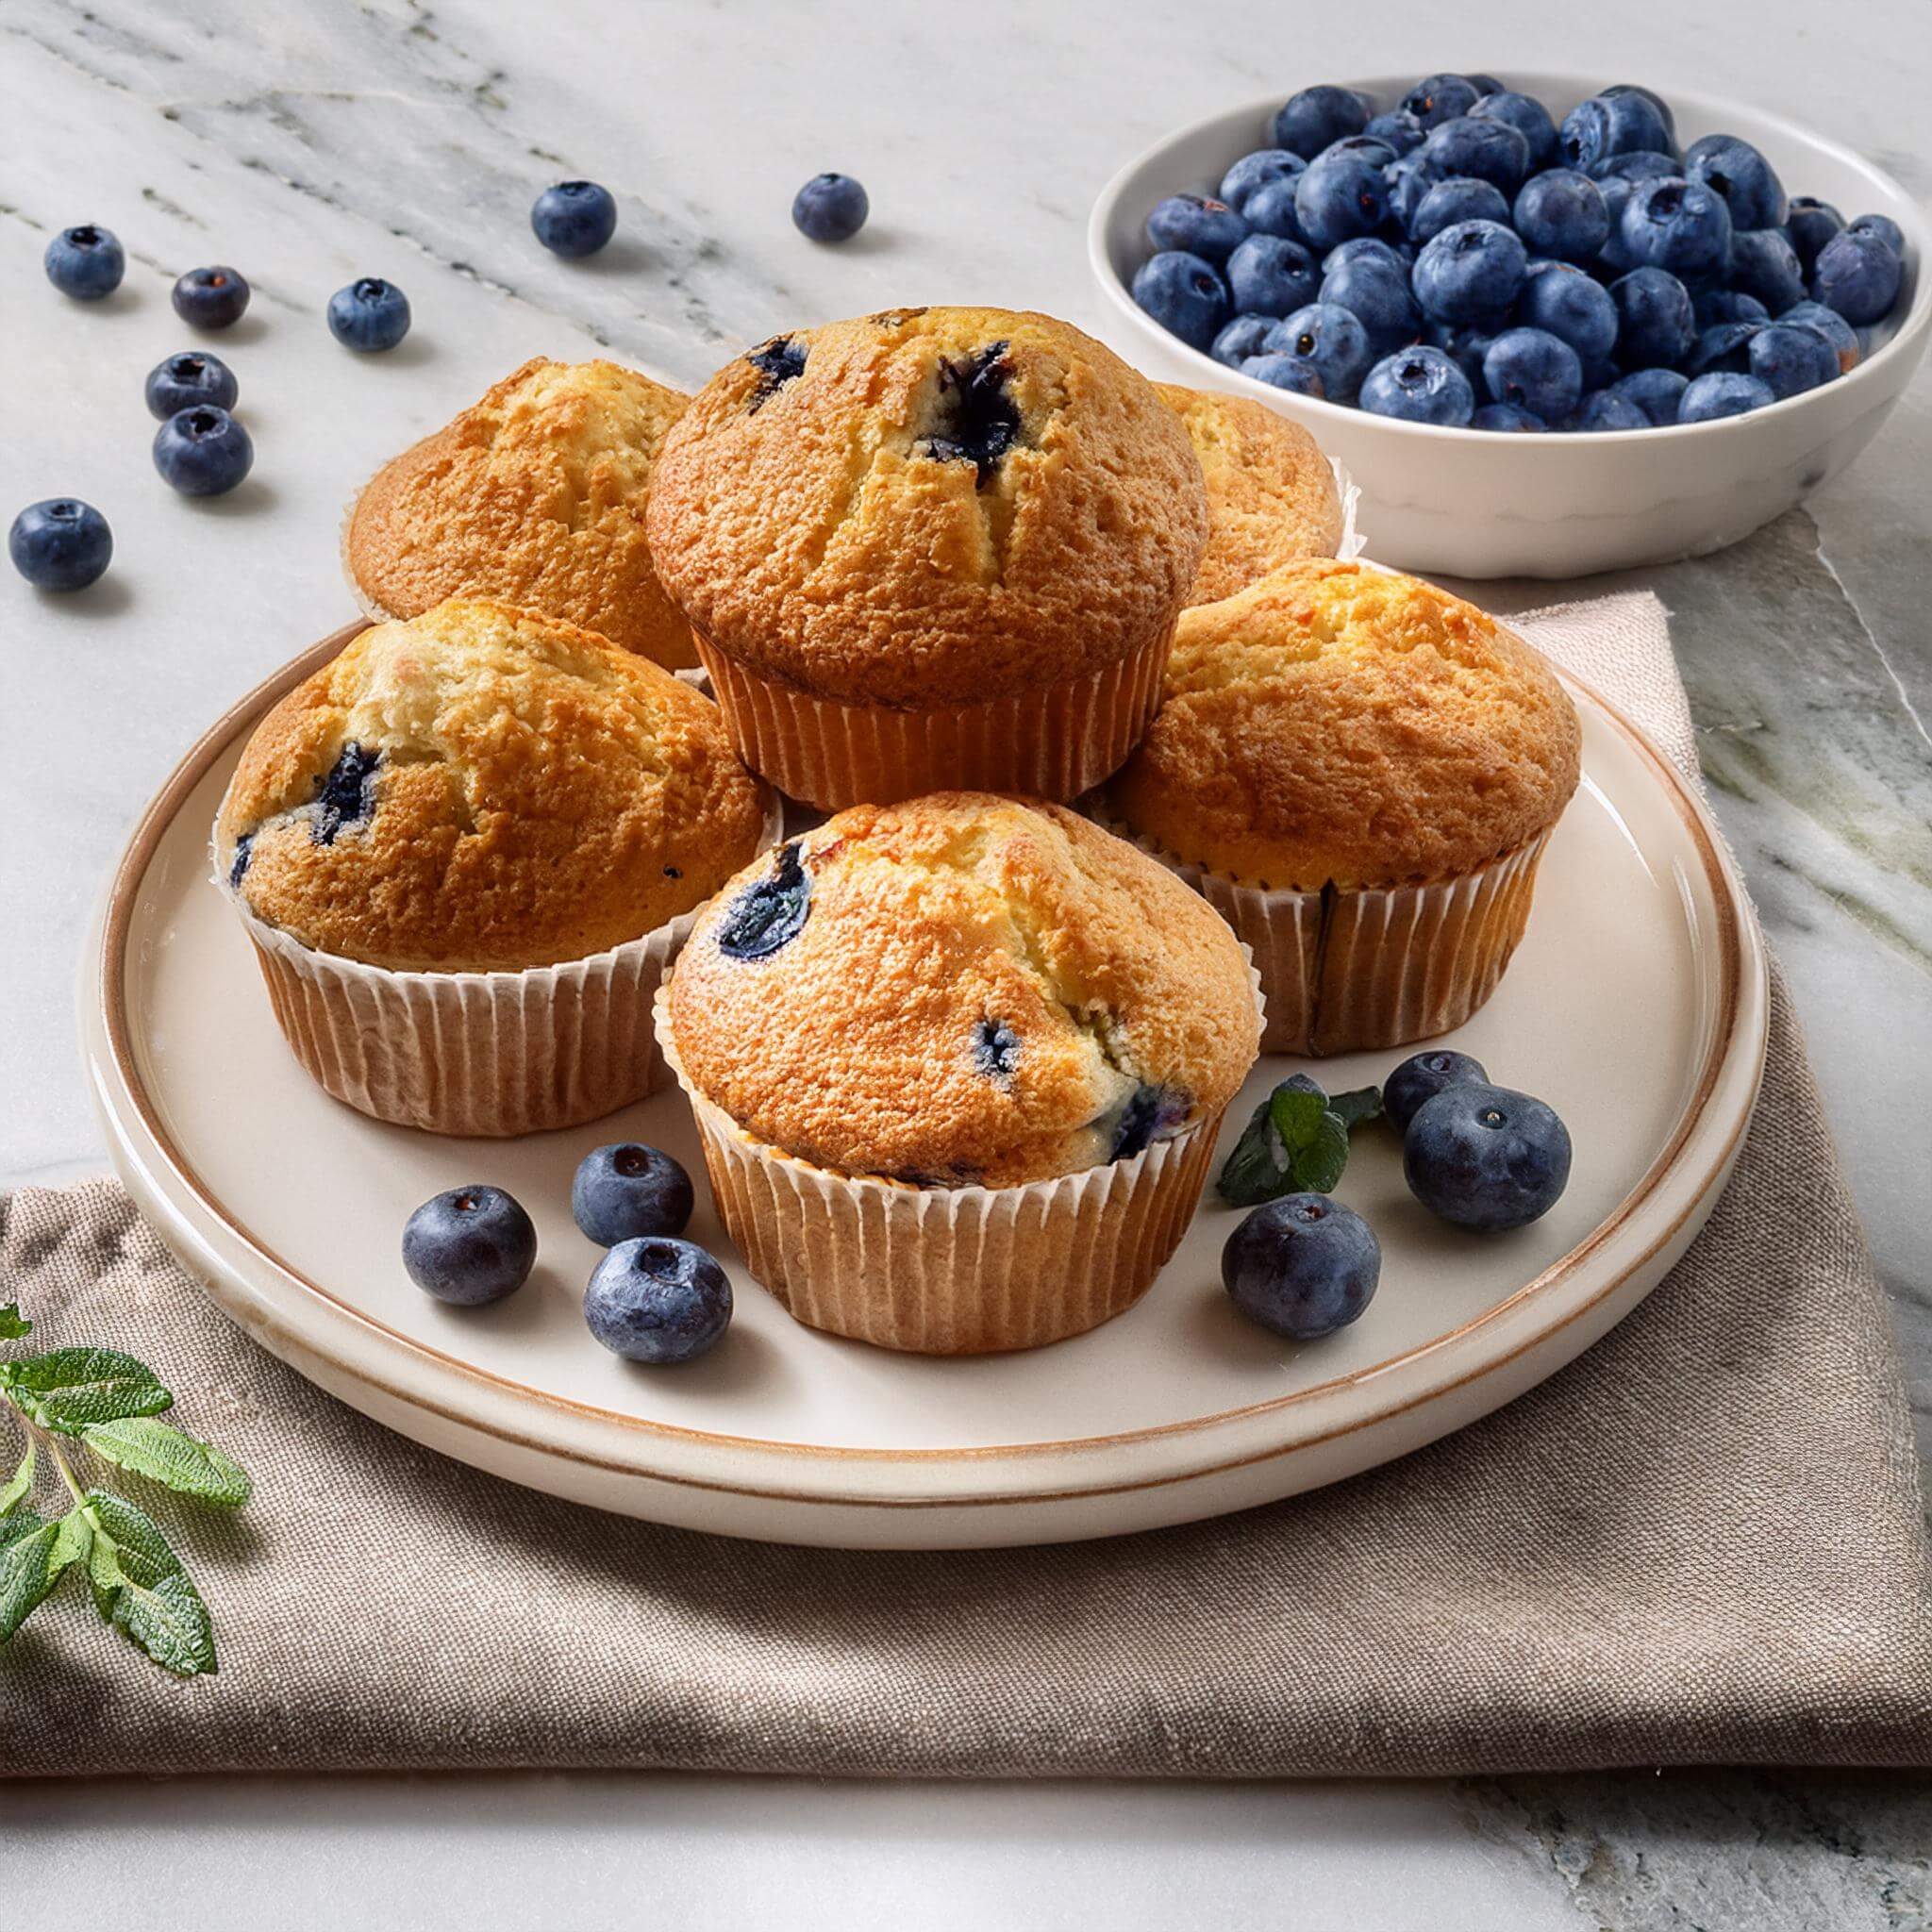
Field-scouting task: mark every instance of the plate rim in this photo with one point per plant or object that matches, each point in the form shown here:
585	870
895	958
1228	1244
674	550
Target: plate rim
119	1090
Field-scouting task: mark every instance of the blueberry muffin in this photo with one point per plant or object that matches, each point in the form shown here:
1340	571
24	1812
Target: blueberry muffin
930	547
535	496
1272	496
957	1065
1361	773
466	849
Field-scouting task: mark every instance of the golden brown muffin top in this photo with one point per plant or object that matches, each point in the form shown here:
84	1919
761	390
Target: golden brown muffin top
1271	493
927	508
535	496
1338	725
963	989
481	787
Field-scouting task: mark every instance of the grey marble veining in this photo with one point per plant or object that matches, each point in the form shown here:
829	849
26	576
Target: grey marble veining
318	139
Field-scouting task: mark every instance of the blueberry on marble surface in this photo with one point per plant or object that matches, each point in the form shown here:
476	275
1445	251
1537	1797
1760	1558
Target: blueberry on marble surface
1185	294
1421	1076
211	297
657	1300
470	1246
1311	120
370	315
1485	1158
1471	273
1535	370
1331	342
1196	225
1303	1266
180	381
202	451
60	544
1723	393
1456	198
777	362
573	218
1268	274
625	1189
1857	274
1419	385
85	263
1734	169
1561	213
978	420
1241	339
830	208
770	912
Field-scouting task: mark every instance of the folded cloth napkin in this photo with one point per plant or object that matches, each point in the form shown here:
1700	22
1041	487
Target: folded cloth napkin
1701	1542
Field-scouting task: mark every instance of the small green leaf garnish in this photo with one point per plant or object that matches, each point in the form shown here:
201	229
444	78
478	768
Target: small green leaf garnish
69	1388
164	1454
140	1587
13	1325
1357	1107
1295	1142
26	1574
21	1482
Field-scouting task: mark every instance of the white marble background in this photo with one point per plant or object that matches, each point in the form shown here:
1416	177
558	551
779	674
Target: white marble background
315	140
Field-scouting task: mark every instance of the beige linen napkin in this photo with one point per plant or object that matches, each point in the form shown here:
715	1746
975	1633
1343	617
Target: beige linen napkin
1701	1542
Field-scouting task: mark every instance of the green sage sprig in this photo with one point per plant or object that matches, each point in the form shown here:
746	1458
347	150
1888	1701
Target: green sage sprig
1295	1142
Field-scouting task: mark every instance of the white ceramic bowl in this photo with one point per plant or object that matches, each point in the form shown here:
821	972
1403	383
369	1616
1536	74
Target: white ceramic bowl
1477	504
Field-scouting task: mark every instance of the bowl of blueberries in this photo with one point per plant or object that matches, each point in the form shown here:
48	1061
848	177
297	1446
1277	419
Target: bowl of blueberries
1547	327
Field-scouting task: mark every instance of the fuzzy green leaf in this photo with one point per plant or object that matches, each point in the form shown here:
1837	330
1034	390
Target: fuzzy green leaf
1297	1143
13	1325
20	1483
26	1572
140	1587
69	1388
1357	1107
164	1454
76	1540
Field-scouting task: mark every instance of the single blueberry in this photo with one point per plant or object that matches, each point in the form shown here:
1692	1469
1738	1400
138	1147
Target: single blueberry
1560	297
1884	227
202	451
1682	226
1529	118
625	1189
1421	1076
1185	294
1658	104
777	362
1836	330
370	315
1606	409
1485	85
1535	370
1656	321
1655	392
995	1049
1508	418
1724	345
770	912
1484	149
1360	147
1439	98
1196	225
1857	274
1764	264
1152	1113
211	297
1465	348
1713	307
1397	129
830	208
1302	1266
1615	122
469	1245
60	544
1270	210
1641	165
1789	359
1408	181
193	376
1255	169
86	262
1290	373
1339	197
1419	385
1316	116
1723	393
1366	248
1471	273
345	794
1240	339
1811	225
1560	213
1735	169
1269	276
573	218
1378	297
1329	339
977	420
657	1300
1485	1158
1456	198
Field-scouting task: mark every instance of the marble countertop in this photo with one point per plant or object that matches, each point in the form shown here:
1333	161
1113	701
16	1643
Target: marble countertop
315	141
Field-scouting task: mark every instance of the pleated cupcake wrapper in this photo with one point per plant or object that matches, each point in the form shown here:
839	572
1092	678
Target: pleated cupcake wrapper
1351	544
1344	970
948	1270
488	1055
1051	741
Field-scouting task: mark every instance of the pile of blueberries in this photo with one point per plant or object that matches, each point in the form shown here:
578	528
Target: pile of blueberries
1462	260
653	1298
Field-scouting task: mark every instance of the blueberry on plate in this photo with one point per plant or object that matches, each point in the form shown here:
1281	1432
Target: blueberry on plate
1529	118
625	1189
1656	321
1268	274
1270	210
1811	225
1487	150
1737	171
1508	418
1419	385
1302	1266
369	315
1682	226
1290	373
576	218
202	451
1560	213
1764	264
1196	225
1421	1076
85	263
1560	297
1242	338
1471	273
192	376
1857	274
1378	297
1456	198
1789	359
60	544
659	1300
1339	197
1332	341
1535	370
470	1246
1836	330
1185	294
1439	98
1884	227
1255	169
1616	121
1485	1158
1723	393
211	297
1316	116
1655	392
1606	409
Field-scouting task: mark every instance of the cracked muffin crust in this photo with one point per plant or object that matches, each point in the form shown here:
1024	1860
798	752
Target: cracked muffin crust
480	789
1334	724
961	989
1271	493
536	495
927	508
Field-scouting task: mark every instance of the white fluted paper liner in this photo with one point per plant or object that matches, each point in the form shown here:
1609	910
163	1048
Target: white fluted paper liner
1349	970
488	1055
948	1270
1352	542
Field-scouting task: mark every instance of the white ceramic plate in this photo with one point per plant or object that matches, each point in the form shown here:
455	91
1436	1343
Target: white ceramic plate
1637	1005
1473	504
